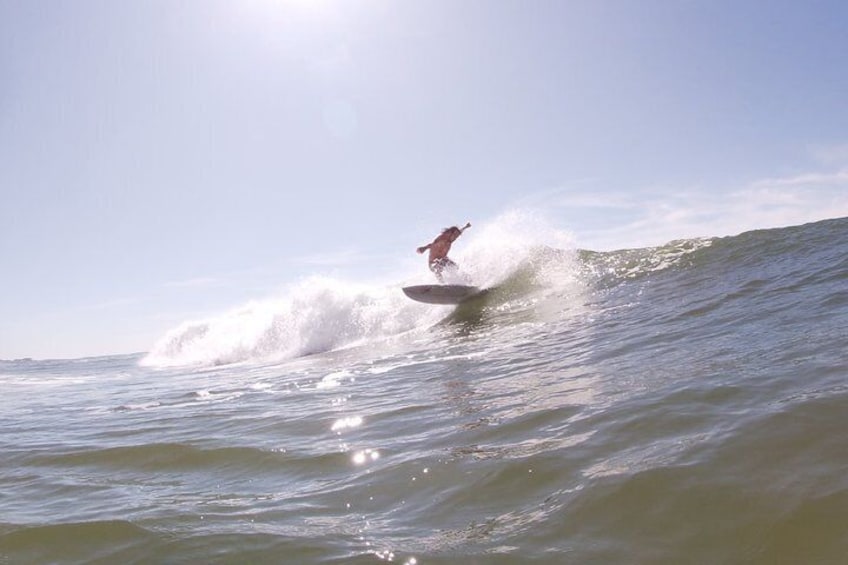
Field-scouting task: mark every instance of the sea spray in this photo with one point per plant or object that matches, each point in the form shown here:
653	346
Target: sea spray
512	241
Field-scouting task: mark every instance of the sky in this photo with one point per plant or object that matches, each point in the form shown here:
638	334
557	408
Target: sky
161	160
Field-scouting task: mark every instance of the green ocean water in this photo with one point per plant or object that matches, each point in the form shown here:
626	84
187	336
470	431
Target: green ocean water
681	404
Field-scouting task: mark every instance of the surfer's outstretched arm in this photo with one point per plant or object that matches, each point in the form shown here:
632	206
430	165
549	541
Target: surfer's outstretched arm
423	248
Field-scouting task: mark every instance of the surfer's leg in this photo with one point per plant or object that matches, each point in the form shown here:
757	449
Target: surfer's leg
453	273
437	266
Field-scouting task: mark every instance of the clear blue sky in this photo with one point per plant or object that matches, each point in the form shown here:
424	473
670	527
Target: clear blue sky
162	158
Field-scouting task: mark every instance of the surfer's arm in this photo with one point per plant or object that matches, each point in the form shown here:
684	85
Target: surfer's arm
424	248
456	234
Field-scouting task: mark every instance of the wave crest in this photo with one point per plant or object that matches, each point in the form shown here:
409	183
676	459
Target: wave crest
316	315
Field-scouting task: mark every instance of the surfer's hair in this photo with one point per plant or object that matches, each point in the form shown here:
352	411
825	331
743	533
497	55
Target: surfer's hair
446	230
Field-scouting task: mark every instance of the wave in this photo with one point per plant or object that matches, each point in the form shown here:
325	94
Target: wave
518	254
173	457
606	269
81	542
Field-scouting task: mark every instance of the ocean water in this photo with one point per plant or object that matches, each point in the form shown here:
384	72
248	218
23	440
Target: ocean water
680	404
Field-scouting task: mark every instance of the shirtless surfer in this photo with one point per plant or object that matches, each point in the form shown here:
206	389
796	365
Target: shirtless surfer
438	260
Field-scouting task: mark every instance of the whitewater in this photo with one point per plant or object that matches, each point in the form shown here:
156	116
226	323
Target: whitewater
683	403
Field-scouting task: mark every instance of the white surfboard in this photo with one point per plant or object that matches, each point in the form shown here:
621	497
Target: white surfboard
441	293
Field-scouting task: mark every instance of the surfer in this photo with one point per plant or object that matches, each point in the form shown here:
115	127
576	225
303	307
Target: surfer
439	260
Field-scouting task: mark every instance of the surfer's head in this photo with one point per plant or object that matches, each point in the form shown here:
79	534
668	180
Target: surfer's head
452	232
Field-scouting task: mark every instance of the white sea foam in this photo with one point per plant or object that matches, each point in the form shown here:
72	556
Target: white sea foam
317	314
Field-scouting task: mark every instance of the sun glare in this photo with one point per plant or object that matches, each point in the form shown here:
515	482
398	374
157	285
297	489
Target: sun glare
304	8
288	18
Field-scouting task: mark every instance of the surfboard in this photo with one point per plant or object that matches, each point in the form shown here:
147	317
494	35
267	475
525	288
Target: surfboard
441	293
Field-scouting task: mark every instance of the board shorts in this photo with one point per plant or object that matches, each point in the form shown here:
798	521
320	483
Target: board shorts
439	265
